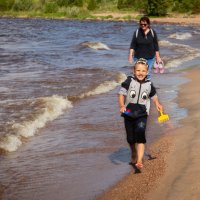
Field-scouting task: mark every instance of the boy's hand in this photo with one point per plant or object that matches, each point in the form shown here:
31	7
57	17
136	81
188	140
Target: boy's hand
159	107
122	109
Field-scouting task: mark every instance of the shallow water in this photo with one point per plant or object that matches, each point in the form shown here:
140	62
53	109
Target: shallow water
60	126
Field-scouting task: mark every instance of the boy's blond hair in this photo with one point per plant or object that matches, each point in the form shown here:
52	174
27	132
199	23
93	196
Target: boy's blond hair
141	61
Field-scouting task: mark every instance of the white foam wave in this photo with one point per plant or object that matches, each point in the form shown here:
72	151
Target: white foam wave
166	43
181	36
197	32
105	87
187	51
52	107
10	143
95	45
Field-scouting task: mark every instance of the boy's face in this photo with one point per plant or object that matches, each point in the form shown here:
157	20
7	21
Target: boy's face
140	71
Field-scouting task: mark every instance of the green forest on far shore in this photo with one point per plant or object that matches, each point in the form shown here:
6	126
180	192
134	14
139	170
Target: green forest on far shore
84	9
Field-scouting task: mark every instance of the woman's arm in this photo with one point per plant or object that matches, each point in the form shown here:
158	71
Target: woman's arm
158	59
132	47
130	56
156	46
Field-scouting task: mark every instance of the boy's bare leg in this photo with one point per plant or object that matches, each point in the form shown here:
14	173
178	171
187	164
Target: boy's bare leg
133	153
140	154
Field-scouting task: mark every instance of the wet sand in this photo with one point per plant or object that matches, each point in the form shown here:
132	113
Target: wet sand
175	172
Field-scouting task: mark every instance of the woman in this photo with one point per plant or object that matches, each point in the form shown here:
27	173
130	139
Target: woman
144	44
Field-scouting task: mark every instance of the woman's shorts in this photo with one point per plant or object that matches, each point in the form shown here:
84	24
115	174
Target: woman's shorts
135	130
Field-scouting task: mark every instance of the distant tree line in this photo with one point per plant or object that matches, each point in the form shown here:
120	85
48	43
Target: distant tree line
149	7
161	7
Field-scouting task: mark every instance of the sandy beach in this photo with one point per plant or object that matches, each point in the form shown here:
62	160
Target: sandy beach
195	19
175	172
172	19
181	179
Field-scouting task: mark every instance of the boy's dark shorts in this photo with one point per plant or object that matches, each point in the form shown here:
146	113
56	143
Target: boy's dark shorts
135	130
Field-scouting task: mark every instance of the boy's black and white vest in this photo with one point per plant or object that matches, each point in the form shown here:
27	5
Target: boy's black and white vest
137	92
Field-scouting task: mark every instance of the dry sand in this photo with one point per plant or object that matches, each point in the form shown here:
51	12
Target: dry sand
175	174
194	19
175	18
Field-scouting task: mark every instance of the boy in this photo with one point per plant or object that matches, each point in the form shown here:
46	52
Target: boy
134	102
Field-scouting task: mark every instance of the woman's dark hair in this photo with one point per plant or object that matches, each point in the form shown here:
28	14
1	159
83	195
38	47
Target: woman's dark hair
146	19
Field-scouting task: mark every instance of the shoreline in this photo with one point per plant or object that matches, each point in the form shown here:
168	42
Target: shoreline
138	186
167	176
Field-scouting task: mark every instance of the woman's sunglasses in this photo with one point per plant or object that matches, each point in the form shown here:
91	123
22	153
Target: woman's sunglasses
143	24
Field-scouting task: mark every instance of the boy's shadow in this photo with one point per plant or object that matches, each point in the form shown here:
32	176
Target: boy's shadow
122	155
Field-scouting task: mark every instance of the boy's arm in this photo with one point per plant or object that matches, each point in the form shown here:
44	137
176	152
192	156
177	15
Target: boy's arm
123	92
159	107
121	103
154	97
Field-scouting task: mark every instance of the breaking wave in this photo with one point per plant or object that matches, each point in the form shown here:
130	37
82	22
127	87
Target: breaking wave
104	87
51	108
95	45
180	36
186	52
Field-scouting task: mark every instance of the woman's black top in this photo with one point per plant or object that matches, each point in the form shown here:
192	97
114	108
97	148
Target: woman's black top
144	46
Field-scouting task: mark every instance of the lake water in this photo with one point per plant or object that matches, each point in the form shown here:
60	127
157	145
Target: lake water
61	134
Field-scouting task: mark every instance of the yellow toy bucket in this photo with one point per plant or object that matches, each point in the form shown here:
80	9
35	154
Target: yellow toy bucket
163	117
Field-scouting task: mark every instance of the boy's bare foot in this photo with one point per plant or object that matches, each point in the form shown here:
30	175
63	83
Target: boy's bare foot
139	165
